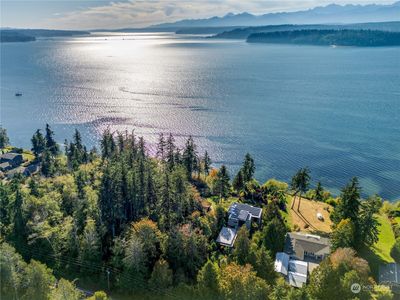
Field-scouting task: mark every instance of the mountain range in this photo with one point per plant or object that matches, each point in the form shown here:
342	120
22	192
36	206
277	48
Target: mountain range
330	14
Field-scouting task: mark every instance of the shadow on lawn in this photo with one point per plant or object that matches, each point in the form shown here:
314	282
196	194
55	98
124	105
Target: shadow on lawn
373	259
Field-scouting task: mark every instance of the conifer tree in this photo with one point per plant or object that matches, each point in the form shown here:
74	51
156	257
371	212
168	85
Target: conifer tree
51	144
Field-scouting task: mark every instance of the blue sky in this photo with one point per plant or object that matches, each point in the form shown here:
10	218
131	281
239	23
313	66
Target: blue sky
90	14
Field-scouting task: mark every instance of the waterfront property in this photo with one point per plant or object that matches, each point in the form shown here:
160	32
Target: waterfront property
13	159
239	214
302	253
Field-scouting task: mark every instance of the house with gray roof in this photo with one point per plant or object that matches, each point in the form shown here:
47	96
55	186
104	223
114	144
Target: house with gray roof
302	253
241	213
5	166
307	247
14	159
238	214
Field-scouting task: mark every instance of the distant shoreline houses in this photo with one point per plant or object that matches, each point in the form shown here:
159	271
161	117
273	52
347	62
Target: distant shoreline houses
11	163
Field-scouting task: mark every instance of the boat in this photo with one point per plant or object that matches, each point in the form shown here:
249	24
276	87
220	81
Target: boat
18	94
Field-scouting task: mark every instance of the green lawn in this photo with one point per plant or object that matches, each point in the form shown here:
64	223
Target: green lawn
285	214
386	239
379	253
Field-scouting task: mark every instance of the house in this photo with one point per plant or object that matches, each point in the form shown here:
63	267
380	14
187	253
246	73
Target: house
389	274
302	254
5	166
31	169
14	159
307	247
227	236
295	271
19	170
238	215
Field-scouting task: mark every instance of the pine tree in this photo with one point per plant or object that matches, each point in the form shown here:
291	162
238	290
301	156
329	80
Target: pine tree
248	168
171	151
4	140
319	192
161	147
206	163
238	181
190	157
349	203
51	144
242	246
38	143
222	184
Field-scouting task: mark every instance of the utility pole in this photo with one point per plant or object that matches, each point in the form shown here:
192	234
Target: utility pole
108	278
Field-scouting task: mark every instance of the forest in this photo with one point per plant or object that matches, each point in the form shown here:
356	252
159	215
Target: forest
116	222
359	38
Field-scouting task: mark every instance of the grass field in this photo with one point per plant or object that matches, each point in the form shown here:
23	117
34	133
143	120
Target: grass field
379	253
306	218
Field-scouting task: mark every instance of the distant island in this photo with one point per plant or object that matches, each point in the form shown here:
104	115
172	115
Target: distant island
29	35
244	32
359	38
8	36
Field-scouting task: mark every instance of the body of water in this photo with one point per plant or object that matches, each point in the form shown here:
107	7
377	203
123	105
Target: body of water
335	110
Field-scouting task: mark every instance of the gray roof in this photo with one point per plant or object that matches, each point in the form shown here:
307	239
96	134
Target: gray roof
297	275
5	165
13	172
10	156
227	236
298	243
389	273
281	263
235	210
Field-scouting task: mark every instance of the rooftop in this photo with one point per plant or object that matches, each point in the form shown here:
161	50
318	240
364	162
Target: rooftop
227	236
10	156
238	210
298	243
282	263
389	273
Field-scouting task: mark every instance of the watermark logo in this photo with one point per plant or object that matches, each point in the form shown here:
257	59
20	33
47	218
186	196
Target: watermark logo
355	288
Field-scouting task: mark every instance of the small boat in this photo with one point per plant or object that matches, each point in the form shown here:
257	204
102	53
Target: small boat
18	94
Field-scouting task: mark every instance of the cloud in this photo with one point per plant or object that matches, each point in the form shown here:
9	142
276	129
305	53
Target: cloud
140	13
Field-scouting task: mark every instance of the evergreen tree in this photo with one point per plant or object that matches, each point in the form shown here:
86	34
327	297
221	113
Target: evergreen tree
319	192
300	183
207	280
206	163
242	246
4	140
349	203
238	182
107	143
273	235
161	147
190	157
222	183
248	168
47	164
161	277
51	144
343	235
171	151
38	143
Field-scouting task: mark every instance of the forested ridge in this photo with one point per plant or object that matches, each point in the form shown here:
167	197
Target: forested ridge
360	38
142	227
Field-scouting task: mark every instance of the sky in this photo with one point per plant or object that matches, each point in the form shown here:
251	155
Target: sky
92	14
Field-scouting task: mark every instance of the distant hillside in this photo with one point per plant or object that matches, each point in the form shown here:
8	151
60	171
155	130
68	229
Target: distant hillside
49	32
7	36
331	14
243	33
27	35
360	38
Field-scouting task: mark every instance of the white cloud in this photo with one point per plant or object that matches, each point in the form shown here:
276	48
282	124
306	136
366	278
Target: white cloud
140	13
